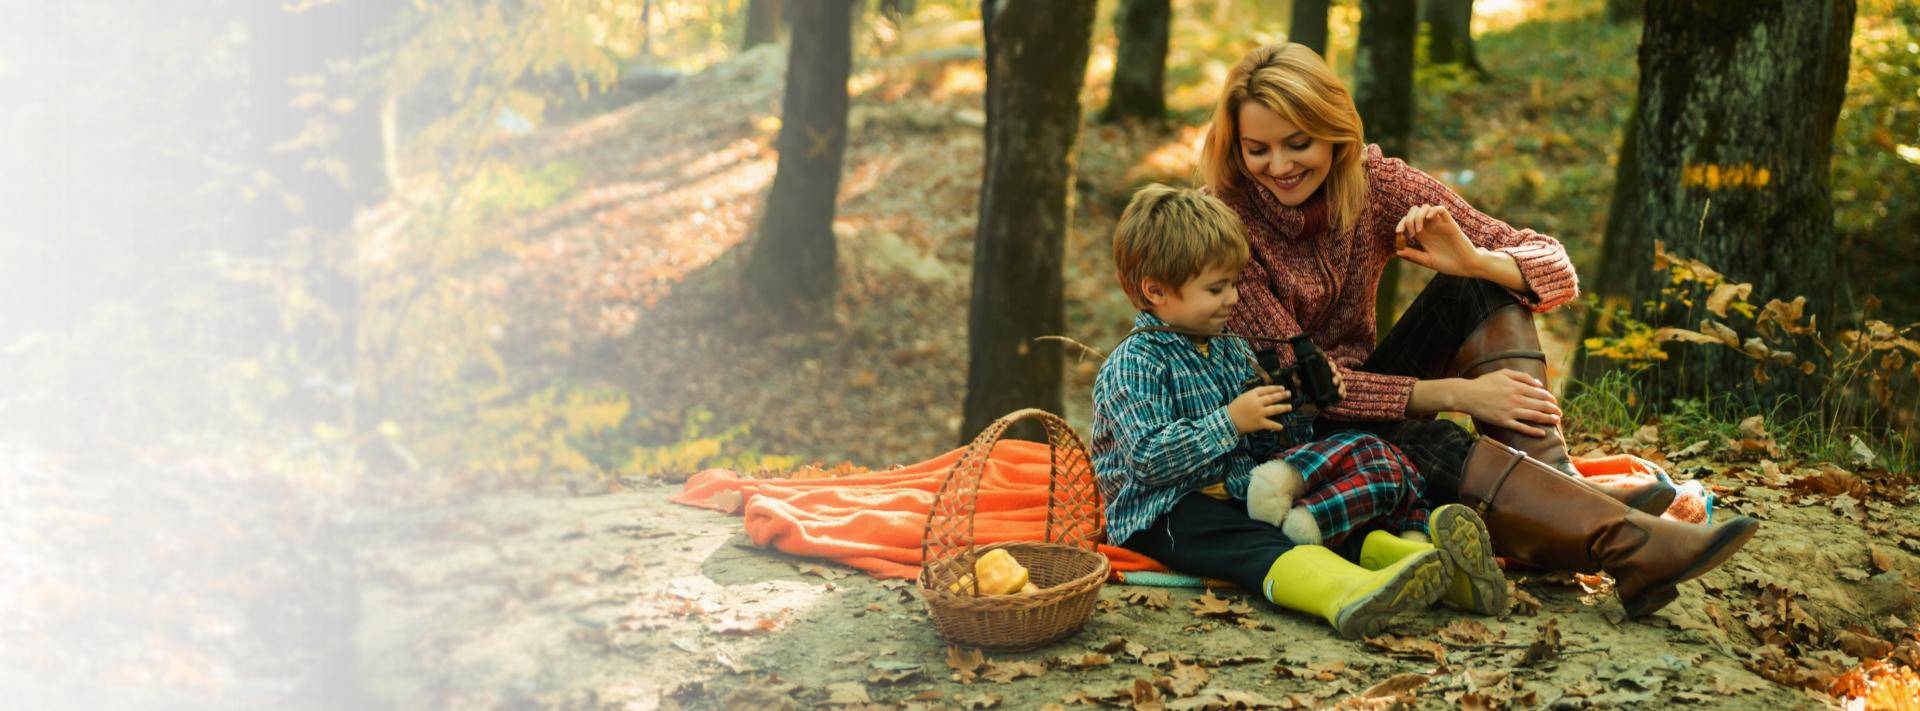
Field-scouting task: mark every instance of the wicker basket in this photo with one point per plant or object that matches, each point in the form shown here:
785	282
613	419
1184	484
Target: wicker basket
1066	567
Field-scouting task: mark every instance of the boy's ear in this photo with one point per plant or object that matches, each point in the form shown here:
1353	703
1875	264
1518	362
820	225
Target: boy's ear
1156	293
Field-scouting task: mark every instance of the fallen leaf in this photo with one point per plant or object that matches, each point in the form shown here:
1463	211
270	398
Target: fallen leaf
965	663
1852	575
1152	599
1545	646
1881	561
847	693
1524	603
1864	646
1087	660
982	700
1395	686
1186	679
1469	631
1006	672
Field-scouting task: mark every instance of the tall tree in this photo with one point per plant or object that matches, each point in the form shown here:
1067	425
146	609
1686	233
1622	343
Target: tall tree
1036	60
763	23
1624	10
1383	91
1140	67
1450	34
1308	24
1727	161
792	267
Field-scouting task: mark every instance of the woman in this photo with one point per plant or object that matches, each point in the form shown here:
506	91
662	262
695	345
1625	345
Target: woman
1324	212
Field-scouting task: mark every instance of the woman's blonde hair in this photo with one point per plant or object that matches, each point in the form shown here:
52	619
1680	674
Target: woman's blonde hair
1294	82
1171	235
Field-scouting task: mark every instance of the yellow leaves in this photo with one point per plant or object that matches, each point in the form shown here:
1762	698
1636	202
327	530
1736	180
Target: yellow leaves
1718	177
1725	294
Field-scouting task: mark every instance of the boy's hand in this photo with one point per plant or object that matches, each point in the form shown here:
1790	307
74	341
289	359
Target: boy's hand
1339	385
1255	409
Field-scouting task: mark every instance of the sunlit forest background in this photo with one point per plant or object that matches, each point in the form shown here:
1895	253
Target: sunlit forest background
336	254
528	269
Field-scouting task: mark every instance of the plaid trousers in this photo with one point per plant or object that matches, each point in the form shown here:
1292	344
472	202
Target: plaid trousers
1363	483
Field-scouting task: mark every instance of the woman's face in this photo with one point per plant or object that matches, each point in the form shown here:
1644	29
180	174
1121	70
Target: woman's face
1290	163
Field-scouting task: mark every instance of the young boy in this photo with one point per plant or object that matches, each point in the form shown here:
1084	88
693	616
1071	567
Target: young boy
1178	448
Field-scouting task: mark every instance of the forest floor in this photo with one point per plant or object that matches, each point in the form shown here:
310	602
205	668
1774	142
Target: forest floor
241	591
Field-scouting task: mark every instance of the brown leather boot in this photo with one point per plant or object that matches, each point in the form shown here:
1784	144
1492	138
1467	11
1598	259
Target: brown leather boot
1508	340
1543	518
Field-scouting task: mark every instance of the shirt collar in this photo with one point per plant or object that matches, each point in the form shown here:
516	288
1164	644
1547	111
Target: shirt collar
1144	319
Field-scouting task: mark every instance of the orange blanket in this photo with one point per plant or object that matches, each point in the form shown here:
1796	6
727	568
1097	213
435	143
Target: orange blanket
874	521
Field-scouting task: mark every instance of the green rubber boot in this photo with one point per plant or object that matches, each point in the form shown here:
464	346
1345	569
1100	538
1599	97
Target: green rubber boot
1478	584
1358	602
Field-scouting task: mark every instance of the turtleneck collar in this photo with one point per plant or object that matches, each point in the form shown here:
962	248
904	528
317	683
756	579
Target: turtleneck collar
1307	221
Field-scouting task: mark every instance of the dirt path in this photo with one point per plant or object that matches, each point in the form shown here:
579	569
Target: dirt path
627	601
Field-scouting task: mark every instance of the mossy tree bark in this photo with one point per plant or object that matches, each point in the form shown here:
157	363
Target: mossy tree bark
1036	60
792	267
1727	160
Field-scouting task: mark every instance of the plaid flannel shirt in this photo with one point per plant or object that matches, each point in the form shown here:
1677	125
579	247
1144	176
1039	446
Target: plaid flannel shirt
1161	430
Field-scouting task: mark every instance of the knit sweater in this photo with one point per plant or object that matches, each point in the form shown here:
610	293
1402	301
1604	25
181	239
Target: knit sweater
1301	278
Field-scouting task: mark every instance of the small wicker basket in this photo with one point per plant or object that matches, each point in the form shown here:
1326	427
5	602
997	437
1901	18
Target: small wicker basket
1066	567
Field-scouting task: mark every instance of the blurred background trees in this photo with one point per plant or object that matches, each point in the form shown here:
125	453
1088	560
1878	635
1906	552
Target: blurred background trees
506	238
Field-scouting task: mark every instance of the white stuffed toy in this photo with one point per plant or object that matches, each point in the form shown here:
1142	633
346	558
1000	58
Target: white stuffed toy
1271	491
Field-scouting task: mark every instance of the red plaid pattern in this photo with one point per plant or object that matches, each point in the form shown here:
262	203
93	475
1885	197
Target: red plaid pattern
1364	481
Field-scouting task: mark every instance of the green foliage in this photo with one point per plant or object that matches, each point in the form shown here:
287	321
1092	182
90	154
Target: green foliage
1868	375
1876	154
1607	406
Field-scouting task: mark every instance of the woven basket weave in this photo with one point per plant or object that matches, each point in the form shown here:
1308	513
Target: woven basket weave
1066	567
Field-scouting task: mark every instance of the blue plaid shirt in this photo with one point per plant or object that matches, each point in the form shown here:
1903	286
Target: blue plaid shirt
1161	430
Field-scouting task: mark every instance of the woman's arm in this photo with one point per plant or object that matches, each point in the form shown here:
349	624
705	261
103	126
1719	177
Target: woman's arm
1533	266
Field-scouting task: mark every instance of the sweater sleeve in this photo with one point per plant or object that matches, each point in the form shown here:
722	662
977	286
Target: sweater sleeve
1370	396
1543	261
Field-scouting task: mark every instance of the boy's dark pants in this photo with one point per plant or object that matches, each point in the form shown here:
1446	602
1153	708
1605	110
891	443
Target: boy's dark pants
1215	538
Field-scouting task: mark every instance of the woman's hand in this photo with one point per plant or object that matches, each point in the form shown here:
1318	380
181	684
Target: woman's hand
1429	237
1510	399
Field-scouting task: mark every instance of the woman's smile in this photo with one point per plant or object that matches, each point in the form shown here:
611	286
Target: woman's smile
1290	182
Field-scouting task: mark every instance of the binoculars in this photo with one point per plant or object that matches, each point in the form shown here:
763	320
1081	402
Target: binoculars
1310	378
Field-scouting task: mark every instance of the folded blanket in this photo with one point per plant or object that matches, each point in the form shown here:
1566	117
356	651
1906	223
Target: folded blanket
874	521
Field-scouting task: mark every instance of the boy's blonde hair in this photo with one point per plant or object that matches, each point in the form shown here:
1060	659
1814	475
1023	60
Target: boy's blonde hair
1294	82
1171	235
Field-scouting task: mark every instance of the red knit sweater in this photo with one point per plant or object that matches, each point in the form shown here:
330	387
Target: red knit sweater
1301	278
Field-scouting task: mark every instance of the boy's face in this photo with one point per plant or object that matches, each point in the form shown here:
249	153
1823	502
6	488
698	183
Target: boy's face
1201	304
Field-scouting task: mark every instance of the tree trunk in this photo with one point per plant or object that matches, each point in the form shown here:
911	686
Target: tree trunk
1383	91
646	28
1383	73
1140	69
1625	10
1309	24
1036	60
1734	121
763	23
792	267
1450	34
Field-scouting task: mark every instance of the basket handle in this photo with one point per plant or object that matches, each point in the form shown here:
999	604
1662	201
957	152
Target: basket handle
1074	515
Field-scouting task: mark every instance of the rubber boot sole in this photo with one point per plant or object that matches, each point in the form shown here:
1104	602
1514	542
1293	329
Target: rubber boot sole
1417	584
1463	539
1733	535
